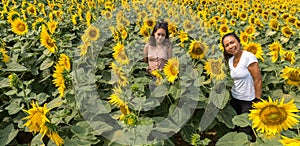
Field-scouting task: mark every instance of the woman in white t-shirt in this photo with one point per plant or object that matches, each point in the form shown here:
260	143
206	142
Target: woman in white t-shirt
245	72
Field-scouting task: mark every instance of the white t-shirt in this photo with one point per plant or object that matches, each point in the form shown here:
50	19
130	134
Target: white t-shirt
243	87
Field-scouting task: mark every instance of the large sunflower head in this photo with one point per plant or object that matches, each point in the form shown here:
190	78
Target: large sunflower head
274	24
272	117
197	49
37	117
287	31
214	68
92	33
119	54
291	75
255	48
250	30
19	27
171	69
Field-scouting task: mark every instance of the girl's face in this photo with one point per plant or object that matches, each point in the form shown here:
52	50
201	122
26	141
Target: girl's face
160	35
231	45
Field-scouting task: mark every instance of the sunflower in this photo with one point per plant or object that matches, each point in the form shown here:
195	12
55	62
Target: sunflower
149	23
84	48
19	27
292	75
214	69
250	30
244	38
171	69
123	33
258	23
107	14
88	18
274	24
64	61
5	57
52	25
12	15
144	31
37	117
256	49
115	98
284	16
74	19
183	36
172	28
122	80
275	48
287	55
223	29
119	54
59	79
92	33
243	16
46	40
271	117
289	141
297	24
187	26
251	19
232	22
291	19
287	31
197	49
31	9
157	74
54	136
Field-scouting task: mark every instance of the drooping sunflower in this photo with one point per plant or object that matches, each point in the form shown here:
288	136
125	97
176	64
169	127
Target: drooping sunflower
119	54
255	48
52	25
123	33
122	79
275	48
289	141
12	15
59	80
37	117
287	55
88	18
157	74
272	117
84	48
64	61
171	69
47	41
291	75
54	136
19	27
250	30
214	68
92	33
274	24
115	98
5	57
197	49
287	31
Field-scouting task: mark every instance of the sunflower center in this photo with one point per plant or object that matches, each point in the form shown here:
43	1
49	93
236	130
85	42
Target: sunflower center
197	49
21	27
215	67
273	115
149	23
173	70
50	43
253	49
92	33
224	29
288	31
294	76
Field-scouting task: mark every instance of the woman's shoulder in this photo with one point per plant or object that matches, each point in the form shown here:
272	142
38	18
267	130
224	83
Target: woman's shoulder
248	54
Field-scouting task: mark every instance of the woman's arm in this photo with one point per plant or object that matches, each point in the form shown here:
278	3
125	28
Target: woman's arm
257	78
145	54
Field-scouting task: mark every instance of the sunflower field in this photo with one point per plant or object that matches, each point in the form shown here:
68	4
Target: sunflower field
72	72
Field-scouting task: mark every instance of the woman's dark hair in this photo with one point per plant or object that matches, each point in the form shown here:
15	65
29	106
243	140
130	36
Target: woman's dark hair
227	55
163	25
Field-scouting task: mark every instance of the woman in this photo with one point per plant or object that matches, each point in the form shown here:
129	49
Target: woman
159	48
245	72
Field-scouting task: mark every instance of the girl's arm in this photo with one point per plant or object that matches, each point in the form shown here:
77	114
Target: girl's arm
145	58
169	52
257	78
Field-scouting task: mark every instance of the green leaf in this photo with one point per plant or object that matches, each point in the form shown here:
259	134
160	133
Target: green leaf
242	120
13	66
225	116
160	91
57	102
233	139
4	82
7	134
37	140
46	64
14	106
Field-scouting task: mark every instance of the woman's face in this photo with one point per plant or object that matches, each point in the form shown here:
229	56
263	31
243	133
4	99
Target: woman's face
231	45
160	35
